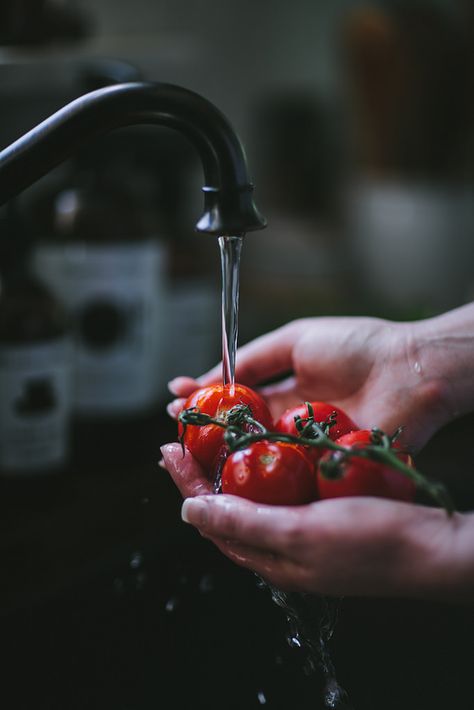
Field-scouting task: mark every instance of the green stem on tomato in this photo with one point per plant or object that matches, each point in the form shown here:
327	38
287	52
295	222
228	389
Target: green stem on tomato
236	438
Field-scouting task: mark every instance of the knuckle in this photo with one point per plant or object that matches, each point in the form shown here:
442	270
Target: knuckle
294	537
227	522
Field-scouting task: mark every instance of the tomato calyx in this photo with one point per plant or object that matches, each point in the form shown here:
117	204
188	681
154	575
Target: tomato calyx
333	467
316	434
233	422
308	428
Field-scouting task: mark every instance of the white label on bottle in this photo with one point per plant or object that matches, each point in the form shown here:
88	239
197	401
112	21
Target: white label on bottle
35	405
114	294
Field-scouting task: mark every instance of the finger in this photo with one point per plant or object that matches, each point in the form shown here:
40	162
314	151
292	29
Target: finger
174	407
183	386
281	396
417	409
274	569
231	517
185	471
262	358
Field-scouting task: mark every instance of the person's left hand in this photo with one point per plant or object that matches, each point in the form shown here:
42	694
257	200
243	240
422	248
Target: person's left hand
345	546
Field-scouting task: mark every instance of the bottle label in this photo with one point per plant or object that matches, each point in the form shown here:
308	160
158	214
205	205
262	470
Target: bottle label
115	295
35	405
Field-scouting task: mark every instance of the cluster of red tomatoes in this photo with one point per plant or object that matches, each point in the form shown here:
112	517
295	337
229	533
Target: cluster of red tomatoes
287	473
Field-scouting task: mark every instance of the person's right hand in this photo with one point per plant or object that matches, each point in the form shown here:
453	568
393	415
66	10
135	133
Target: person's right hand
375	370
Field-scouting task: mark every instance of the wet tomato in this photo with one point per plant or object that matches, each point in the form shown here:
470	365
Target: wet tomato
273	473
362	477
206	443
322	410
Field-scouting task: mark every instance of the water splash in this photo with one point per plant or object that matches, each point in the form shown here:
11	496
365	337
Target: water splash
311	622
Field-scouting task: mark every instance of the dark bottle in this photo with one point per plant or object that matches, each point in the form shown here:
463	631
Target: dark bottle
35	363
99	250
109	270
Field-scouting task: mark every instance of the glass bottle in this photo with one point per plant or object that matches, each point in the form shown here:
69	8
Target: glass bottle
35	363
109	271
99	251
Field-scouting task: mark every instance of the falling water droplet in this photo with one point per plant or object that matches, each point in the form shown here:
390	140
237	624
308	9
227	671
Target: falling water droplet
417	367
172	604
136	560
294	641
206	584
261	697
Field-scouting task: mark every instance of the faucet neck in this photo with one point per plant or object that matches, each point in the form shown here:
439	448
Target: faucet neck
228	203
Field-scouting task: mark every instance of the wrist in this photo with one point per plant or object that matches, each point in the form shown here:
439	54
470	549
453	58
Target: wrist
421	393
440	354
443	560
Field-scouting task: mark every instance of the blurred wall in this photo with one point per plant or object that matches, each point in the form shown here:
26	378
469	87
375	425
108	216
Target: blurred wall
313	88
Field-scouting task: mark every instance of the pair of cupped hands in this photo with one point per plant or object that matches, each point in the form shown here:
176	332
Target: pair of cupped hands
374	370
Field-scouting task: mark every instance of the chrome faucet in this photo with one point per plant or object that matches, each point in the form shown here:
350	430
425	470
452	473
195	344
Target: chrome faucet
229	208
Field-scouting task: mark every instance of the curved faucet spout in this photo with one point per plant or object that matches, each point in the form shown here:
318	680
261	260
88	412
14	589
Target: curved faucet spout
229	208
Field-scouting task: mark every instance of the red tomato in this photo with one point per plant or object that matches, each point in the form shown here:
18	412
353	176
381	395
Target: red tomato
206	443
272	473
322	410
361	477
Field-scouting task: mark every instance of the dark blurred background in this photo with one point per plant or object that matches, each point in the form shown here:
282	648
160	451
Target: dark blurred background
357	119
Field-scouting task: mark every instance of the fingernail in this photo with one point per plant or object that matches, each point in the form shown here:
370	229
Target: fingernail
172	384
194	511
167	453
170	410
